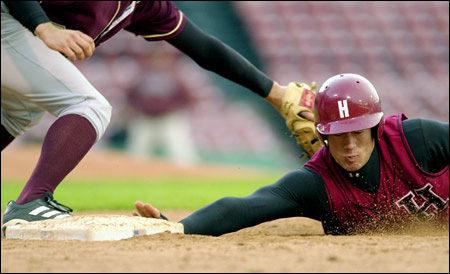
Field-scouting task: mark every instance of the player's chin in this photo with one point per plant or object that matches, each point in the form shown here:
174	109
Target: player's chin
351	166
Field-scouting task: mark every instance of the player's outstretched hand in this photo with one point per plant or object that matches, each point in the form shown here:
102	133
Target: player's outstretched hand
74	44
146	210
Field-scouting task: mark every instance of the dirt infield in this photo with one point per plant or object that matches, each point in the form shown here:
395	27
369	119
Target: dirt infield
286	245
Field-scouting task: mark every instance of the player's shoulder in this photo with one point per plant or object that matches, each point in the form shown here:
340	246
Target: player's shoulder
429	142
305	174
417	125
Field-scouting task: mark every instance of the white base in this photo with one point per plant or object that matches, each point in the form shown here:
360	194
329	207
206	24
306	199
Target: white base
91	228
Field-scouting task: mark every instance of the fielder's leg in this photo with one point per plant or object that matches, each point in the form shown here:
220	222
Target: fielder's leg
66	143
39	80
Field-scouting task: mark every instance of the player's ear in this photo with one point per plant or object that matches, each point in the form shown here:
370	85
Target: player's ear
323	138
374	131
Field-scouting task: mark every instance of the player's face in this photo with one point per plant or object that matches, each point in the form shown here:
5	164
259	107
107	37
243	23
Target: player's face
351	150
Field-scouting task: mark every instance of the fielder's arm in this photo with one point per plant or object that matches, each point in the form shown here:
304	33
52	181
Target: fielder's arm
213	55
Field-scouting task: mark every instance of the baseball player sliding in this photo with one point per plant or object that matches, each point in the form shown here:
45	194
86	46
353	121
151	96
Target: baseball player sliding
39	41
373	173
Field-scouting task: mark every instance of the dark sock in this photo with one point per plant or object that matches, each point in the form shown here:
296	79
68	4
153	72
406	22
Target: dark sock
5	137
66	143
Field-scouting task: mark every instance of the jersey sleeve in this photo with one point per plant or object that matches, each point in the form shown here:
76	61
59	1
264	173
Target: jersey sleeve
157	20
429	143
214	55
300	193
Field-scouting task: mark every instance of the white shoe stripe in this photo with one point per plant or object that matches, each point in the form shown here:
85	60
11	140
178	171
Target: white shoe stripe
38	210
63	216
51	213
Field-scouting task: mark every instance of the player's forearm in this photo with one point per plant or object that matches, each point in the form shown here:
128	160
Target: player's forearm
226	215
213	55
231	214
28	13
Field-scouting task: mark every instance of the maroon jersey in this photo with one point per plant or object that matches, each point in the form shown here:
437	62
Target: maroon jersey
406	192
153	20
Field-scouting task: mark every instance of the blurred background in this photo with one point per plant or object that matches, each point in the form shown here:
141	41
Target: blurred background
166	106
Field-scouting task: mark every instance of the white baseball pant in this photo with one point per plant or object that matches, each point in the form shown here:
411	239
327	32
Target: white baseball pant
36	79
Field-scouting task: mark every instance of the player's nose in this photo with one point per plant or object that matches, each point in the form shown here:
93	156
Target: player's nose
349	141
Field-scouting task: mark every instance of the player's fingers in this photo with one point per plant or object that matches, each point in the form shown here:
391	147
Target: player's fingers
151	211
307	115
79	52
146	210
87	44
87	51
88	39
140	208
143	209
139	205
69	54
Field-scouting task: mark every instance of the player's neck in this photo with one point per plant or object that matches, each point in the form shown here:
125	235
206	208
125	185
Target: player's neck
366	178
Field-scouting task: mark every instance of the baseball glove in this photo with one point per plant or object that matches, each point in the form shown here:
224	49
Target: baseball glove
300	97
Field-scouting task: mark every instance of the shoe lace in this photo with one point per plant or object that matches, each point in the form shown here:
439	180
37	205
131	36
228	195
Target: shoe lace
57	205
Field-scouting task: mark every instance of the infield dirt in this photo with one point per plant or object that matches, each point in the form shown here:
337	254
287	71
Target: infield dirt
285	245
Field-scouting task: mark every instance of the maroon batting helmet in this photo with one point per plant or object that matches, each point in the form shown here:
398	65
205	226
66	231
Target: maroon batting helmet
345	103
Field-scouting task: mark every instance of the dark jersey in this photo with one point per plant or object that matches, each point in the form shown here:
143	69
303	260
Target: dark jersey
303	193
153	20
405	192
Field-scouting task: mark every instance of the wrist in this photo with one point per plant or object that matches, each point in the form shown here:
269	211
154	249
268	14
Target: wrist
276	95
42	29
